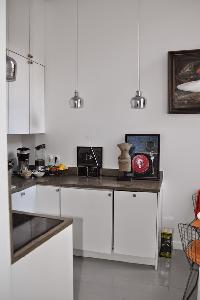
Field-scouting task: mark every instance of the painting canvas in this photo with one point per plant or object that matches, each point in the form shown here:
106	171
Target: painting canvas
145	155
184	81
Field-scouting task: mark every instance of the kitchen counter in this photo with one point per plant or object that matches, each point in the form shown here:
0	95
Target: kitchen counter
31	230
103	182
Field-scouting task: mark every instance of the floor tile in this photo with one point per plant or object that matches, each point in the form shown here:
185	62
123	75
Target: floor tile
96	279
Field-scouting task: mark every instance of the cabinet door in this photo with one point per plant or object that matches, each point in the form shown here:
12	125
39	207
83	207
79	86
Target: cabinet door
135	216
15	201
18	26
91	211
18	98
47	200
24	200
37	115
37	30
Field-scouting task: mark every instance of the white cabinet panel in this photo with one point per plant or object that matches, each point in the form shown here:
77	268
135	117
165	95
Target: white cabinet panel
37	115
25	28
38	199
18	26
18	98
24	200
92	218
46	272
37	30
47	200
135	218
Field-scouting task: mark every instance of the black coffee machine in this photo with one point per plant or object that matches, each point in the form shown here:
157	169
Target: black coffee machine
23	158
89	161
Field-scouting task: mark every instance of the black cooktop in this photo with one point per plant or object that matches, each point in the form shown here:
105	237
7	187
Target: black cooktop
26	228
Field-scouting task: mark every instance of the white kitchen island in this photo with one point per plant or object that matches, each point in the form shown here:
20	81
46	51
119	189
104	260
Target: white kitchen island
46	272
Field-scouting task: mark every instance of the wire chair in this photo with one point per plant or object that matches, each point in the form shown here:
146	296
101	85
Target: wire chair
190	238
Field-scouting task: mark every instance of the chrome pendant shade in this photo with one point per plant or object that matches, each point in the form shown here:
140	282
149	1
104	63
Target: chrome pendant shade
138	101
11	69
76	101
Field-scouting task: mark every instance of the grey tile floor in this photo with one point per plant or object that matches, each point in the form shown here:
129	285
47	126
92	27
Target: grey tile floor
96	279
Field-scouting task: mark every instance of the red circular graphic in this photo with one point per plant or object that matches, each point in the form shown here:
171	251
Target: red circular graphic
140	163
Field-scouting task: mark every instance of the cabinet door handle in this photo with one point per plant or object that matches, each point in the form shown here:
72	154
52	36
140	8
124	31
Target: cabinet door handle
109	194
134	195
23	194
57	190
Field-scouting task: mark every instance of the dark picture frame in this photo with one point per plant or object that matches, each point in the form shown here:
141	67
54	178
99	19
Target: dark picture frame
184	82
145	156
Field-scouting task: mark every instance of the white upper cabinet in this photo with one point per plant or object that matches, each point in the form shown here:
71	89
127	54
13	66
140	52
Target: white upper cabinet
26	98
25	41
37	120
18	98
18	26
25	32
37	30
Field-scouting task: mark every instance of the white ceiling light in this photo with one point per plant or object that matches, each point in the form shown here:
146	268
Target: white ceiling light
76	101
138	101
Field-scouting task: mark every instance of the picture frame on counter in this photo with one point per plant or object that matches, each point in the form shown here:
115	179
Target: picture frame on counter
145	156
184	82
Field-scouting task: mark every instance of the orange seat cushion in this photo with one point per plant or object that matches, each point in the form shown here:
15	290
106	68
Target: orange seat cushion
193	251
196	223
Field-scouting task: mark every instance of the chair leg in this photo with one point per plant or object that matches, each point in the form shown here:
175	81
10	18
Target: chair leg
185	297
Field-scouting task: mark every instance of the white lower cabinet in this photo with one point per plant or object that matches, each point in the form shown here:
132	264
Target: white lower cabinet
135	224
46	273
47	200
91	211
24	200
38	199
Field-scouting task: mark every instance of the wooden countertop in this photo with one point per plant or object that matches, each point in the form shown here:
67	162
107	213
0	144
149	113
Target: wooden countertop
103	182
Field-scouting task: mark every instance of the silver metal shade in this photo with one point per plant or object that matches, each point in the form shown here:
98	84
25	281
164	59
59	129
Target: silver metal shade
11	69
138	101
76	101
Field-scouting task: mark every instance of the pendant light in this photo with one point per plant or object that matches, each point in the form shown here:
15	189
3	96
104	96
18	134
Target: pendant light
11	69
76	101
138	101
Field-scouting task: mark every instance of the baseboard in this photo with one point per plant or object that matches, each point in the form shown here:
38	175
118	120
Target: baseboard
118	257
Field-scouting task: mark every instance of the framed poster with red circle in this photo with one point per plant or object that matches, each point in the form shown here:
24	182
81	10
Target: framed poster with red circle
145	155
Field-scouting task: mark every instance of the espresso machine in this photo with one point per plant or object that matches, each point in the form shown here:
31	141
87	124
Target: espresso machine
23	159
40	155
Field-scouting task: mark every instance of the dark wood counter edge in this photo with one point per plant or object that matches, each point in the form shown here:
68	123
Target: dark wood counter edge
43	238
91	185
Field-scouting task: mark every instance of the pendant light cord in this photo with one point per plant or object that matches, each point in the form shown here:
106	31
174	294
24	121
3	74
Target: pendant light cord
138	42
77	46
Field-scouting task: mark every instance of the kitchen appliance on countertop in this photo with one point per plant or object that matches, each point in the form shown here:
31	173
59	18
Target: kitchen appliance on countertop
89	161
23	159
40	155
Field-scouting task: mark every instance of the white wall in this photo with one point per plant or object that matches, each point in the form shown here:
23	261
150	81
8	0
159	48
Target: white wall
4	210
108	79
